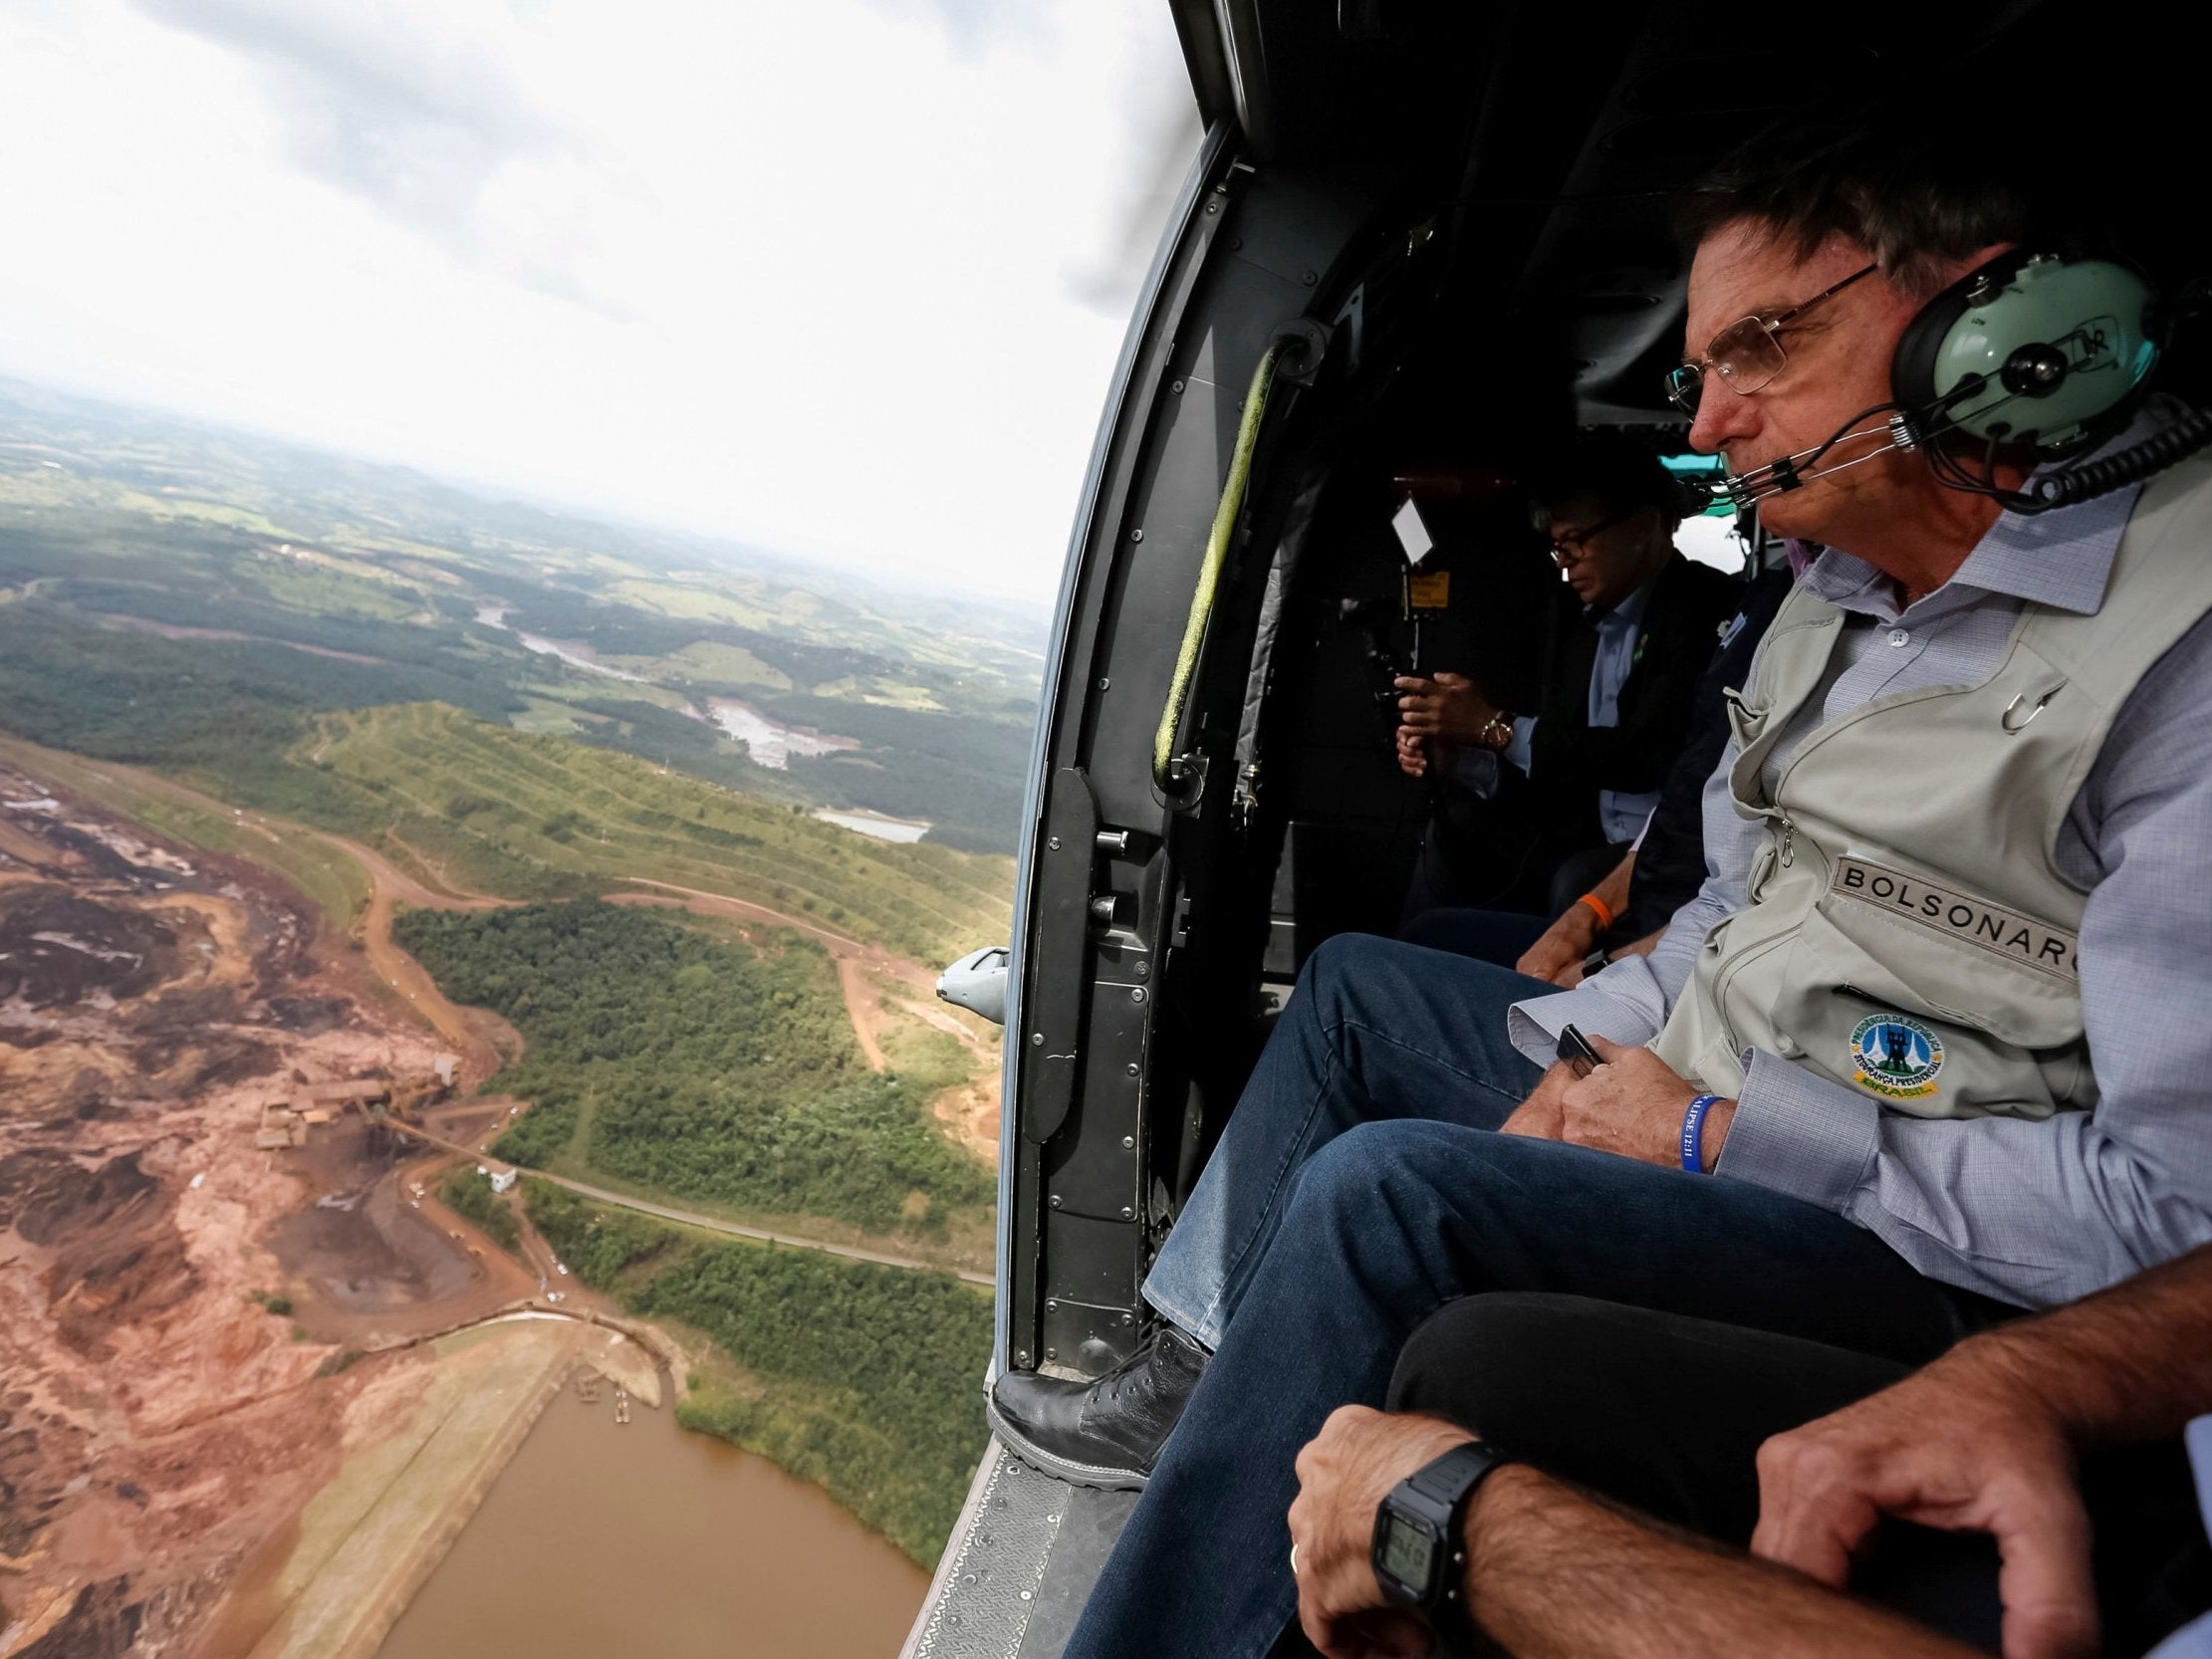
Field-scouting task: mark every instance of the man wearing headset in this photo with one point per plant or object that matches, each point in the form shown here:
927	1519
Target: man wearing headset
1956	849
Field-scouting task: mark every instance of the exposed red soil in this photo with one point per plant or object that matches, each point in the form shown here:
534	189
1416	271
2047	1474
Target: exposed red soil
171	1297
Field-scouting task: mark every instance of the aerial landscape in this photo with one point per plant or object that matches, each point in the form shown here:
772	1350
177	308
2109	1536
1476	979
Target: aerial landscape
466	991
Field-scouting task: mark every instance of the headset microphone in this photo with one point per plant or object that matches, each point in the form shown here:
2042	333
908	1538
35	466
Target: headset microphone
2031	353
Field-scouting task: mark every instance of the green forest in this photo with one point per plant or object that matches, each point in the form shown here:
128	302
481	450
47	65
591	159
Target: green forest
698	1069
866	1379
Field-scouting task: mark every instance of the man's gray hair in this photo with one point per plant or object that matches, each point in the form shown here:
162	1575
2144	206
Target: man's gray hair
1915	206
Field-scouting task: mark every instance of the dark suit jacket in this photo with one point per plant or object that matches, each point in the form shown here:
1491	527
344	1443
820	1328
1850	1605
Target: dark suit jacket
1570	760
1670	868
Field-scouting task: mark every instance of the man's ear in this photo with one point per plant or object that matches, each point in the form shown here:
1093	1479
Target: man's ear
1930	277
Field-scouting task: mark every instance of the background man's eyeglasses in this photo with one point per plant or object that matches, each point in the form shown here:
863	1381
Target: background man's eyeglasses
1748	353
1570	545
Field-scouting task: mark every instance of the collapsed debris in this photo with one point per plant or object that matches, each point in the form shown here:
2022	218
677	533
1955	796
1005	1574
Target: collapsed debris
286	1119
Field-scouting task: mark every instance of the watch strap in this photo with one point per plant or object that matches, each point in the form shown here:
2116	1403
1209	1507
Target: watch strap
1448	1484
1444	1480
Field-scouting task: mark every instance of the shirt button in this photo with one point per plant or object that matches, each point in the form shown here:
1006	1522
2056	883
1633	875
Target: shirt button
1898	636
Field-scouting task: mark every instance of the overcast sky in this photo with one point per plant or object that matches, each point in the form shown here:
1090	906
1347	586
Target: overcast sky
843	277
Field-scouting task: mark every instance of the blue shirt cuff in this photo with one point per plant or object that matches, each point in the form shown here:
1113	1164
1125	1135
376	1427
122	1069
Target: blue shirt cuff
1801	1133
1523	734
1590	1008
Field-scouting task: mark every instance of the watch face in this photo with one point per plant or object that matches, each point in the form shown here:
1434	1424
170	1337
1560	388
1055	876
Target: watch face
1409	1554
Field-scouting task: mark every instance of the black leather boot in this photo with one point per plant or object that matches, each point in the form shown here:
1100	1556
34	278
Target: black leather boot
1105	1433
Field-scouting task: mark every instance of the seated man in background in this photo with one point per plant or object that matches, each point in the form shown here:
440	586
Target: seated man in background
1817	1141
1626	911
1519	795
2057	1437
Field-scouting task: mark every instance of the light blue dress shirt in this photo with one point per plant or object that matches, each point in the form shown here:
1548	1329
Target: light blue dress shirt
1619	642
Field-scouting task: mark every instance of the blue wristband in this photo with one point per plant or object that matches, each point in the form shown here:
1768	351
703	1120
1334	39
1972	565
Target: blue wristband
1693	1133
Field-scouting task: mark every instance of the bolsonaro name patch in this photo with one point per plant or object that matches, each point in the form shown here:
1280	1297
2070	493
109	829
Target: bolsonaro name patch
1961	916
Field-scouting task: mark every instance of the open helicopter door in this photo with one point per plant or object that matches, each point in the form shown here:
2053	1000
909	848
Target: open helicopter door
1106	998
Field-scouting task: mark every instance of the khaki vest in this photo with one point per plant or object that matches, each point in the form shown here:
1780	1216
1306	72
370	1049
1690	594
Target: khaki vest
1909	932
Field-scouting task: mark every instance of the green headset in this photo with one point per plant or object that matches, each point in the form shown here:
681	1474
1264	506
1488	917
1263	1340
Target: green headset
2031	353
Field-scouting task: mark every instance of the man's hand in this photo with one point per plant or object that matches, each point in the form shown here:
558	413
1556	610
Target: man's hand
1963	1446
1343	1474
1447	708
1557	956
1412	753
1541	1116
1632	1105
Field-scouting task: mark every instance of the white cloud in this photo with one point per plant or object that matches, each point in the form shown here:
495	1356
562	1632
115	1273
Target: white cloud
844	279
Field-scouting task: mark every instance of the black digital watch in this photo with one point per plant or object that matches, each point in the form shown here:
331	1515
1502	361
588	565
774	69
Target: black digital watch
1420	1554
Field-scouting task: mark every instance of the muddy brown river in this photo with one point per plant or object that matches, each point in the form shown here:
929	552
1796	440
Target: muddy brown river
602	1538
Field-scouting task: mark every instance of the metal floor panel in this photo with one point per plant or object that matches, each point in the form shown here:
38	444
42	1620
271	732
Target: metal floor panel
1020	1566
1090	1523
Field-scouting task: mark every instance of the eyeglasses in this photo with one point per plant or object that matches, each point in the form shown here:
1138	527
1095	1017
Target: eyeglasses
1748	353
1568	546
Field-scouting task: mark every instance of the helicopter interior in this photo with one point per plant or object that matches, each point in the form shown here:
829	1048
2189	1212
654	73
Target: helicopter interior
1443	237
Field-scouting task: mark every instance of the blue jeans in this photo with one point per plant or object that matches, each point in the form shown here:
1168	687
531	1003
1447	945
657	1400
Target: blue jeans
1357	1191
1376	1029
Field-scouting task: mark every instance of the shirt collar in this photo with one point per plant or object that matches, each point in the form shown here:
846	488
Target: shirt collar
2062	558
1629	612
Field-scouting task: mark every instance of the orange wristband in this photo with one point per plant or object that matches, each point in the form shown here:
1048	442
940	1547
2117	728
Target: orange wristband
1598	909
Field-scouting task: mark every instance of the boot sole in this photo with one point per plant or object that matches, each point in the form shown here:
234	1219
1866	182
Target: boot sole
1098	1476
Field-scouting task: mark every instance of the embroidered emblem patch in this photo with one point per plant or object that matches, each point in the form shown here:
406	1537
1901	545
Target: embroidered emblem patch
1896	1056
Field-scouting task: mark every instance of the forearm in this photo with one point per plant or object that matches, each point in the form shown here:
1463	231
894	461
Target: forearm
1551	1572
1612	892
1629	1000
2126	1365
1578	927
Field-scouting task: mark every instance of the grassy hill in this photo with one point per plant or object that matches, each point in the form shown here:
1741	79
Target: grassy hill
516	816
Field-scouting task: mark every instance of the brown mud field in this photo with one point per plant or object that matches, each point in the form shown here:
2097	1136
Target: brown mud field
179	1309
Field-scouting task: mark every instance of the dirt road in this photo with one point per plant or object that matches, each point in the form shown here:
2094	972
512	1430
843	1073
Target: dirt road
464	1028
862	1009
397	883
721	904
710	1224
